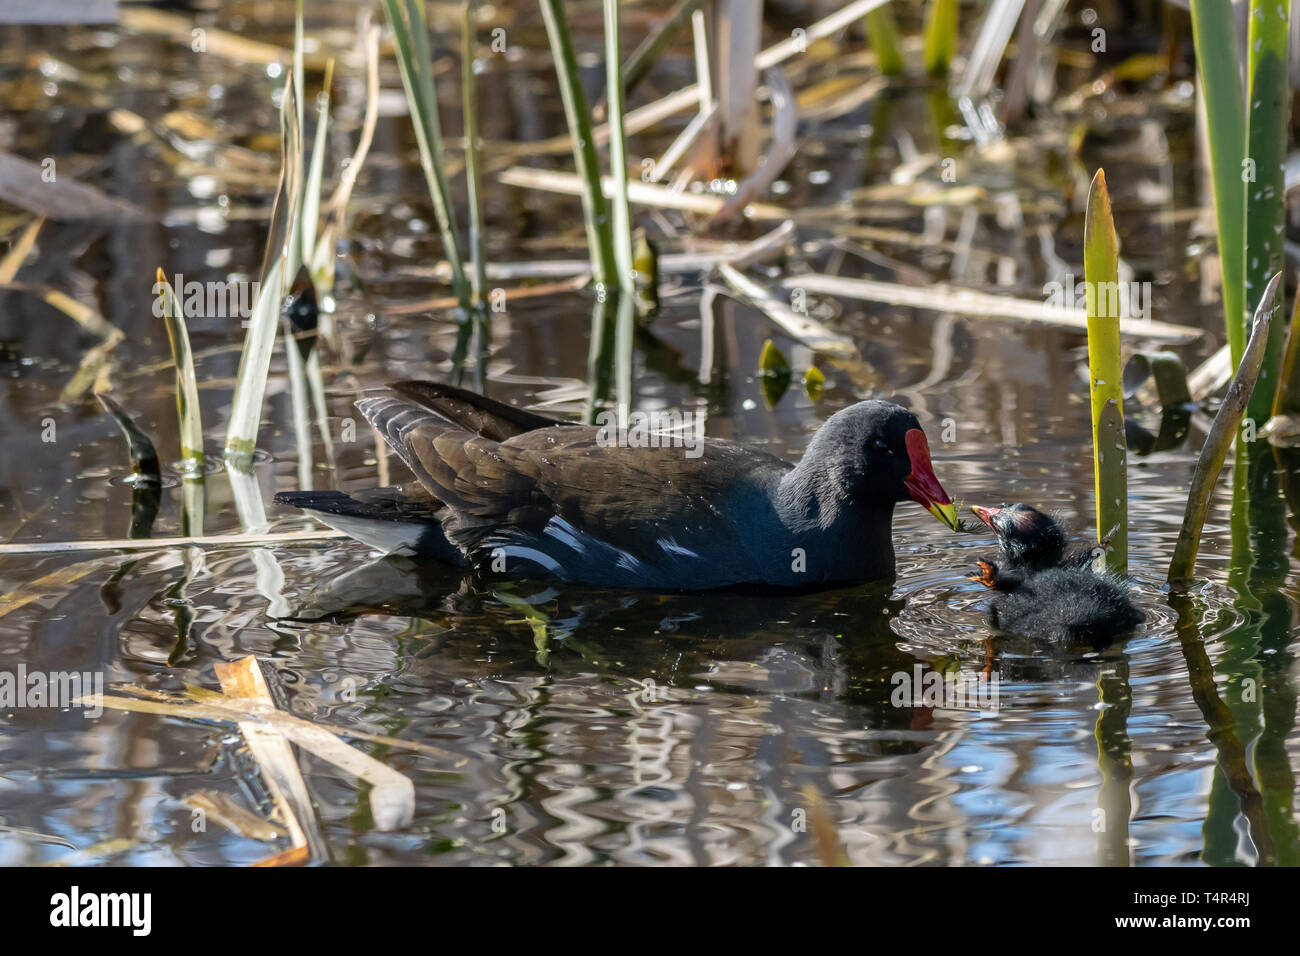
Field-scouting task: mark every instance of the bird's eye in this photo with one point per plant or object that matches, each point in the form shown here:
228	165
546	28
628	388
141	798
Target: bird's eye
881	445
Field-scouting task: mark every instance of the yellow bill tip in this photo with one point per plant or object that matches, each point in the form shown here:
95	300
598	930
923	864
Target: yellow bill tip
947	513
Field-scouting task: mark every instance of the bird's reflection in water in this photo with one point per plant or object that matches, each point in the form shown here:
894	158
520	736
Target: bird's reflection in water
1022	660
831	644
836	645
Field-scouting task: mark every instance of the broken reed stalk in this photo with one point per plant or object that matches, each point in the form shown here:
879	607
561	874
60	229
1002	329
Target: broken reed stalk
187	386
271	751
188	413
1105	373
239	540
1222	432
798	325
595	210
13	259
144	457
688	97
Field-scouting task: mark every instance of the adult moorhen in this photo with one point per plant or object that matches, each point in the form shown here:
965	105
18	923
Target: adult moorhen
1047	590
508	491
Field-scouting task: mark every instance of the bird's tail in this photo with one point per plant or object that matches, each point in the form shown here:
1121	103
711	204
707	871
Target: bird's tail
386	519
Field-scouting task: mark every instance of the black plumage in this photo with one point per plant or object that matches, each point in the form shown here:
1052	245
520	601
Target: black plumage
1047	590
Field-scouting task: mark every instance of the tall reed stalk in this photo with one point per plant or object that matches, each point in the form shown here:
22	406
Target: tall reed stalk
473	175
474	192
1109	450
1214	33
1268	118
882	34
415	64
940	37
1247	153
595	210
621	220
281	254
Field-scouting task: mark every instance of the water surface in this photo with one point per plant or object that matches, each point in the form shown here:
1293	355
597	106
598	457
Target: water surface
601	726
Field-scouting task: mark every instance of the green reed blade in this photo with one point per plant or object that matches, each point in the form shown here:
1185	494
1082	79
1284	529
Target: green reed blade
311	189
473	175
882	34
187	386
1105	373
415	64
473	189
282	252
600	239
1214	33
299	404
187	409
1269	116
622	217
600	356
940	37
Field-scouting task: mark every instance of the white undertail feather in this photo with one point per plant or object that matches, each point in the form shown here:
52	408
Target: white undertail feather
387	537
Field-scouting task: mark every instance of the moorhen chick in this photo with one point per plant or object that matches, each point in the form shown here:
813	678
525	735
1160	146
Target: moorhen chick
504	490
1047	590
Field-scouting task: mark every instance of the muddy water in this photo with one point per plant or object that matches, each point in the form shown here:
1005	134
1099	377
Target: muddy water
589	726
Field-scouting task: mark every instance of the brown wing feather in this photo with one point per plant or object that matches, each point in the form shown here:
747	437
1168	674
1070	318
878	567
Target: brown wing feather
504	489
473	412
619	495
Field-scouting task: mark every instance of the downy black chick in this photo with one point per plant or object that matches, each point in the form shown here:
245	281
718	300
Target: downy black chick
1045	589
